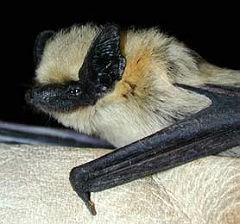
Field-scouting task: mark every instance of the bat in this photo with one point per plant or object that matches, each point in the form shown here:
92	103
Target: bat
143	91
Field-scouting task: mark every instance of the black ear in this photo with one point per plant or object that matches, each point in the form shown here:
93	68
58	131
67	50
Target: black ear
104	63
40	43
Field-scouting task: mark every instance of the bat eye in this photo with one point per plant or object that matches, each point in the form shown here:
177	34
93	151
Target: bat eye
75	91
104	89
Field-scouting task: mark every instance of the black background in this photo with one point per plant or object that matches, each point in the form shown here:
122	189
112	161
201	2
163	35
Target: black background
211	31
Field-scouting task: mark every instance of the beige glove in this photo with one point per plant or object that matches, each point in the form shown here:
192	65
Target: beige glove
34	188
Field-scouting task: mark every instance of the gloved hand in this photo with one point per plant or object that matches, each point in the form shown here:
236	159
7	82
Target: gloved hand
34	188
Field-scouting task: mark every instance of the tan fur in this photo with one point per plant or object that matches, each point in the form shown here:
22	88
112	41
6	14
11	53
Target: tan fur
145	99
65	54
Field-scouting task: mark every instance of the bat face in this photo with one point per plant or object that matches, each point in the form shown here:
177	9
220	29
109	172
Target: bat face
116	85
102	66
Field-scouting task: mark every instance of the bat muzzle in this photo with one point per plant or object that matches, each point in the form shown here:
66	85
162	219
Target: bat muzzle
58	98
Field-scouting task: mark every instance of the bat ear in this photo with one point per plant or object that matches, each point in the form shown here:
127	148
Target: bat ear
104	62
40	43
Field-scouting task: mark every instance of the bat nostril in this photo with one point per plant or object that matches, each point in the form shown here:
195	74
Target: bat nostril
33	96
29	96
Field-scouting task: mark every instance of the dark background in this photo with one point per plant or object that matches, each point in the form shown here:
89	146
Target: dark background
211	31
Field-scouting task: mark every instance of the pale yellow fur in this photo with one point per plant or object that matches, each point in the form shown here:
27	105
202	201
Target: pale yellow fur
145	99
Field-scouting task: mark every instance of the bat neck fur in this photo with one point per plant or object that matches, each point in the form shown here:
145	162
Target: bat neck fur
145	100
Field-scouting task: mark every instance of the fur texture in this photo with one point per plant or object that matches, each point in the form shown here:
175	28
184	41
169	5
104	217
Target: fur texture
145	100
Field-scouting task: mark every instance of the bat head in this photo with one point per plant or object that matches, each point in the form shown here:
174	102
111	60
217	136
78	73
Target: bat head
116	85
102	67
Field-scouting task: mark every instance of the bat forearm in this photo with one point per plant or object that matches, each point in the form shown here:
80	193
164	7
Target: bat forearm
34	135
85	179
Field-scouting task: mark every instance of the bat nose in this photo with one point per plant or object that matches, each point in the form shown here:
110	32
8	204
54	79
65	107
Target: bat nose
39	95
29	96
36	96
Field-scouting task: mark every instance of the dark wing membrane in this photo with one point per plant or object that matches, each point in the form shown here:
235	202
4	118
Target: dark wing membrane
26	134
210	131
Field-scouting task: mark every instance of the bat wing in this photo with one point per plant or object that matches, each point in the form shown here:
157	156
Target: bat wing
210	131
34	135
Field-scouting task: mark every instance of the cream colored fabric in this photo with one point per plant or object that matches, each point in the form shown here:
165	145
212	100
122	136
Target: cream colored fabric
34	188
